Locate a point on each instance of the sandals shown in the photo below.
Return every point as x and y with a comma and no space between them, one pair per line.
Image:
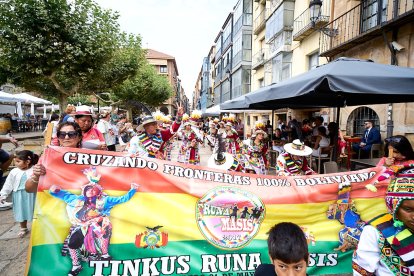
23,232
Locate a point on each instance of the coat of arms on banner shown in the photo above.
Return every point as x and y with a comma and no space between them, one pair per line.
152,238
228,217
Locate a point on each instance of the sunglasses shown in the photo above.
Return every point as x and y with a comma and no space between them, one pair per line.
70,134
393,140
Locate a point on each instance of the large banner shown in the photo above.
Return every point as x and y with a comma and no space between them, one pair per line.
104,213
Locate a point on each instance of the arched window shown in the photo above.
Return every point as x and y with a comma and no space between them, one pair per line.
164,110
355,123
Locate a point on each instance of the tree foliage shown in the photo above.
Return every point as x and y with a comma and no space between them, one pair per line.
62,48
55,46
146,87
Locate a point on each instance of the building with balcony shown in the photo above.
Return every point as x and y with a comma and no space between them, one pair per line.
233,54
166,66
380,30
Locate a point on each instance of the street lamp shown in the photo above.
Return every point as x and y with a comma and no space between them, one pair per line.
315,15
315,11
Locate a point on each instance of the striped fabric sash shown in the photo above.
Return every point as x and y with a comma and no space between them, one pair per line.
295,167
397,245
151,144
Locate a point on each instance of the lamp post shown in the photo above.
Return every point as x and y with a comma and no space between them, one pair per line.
315,8
315,11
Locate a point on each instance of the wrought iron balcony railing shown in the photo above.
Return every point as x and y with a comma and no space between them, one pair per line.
364,22
302,26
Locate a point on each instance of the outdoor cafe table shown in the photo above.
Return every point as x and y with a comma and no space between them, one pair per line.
349,142
365,163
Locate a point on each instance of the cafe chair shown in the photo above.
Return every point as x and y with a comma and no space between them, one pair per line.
320,159
375,148
330,167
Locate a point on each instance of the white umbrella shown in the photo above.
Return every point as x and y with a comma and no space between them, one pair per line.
53,109
32,109
44,112
19,110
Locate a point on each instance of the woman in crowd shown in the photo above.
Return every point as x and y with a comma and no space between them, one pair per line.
386,243
398,154
108,130
293,161
232,139
333,129
54,120
91,137
278,141
321,143
69,135
212,137
255,150
189,151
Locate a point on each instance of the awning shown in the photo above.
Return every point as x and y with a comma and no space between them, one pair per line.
9,98
27,98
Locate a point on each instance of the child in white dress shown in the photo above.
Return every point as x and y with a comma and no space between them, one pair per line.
23,202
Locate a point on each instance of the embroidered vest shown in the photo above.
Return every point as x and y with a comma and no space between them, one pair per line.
295,167
151,144
396,245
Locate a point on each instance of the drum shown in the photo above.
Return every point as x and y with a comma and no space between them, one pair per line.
5,125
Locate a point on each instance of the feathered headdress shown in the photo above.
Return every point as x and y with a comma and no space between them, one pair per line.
158,115
185,117
232,118
259,125
166,119
195,115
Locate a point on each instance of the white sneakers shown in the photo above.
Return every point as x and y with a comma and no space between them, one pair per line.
5,205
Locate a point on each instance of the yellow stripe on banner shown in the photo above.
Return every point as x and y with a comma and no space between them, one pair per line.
176,213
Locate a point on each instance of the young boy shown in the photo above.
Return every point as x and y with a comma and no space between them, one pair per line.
288,250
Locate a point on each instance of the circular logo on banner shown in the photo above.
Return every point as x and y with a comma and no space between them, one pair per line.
228,217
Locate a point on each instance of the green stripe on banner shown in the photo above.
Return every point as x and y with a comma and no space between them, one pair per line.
185,258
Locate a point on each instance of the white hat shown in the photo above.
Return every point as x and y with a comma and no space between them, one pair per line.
298,148
229,124
257,131
146,120
83,110
225,163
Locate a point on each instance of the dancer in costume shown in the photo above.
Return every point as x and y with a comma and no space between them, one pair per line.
212,137
386,243
255,150
232,138
169,144
91,229
223,160
150,142
189,150
293,161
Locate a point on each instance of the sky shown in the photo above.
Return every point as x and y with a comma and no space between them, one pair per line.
184,29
